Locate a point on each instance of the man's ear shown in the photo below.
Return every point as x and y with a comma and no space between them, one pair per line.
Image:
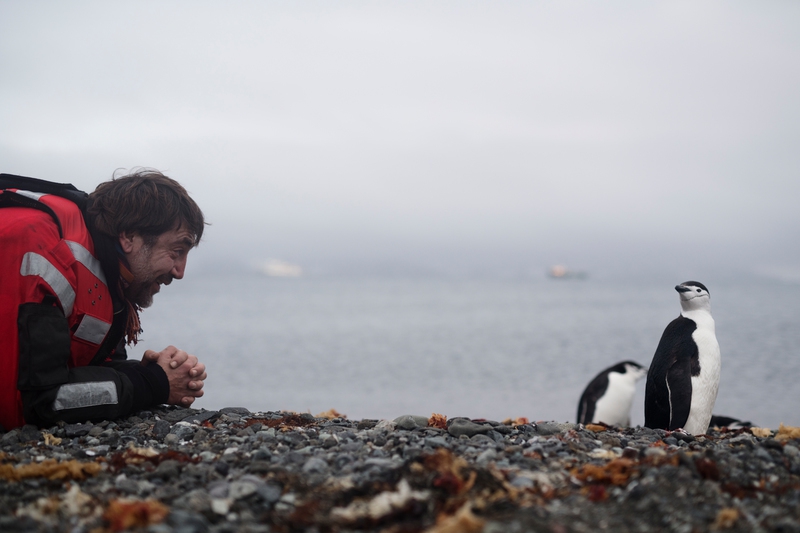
126,241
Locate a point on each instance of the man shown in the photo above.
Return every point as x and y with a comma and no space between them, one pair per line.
75,270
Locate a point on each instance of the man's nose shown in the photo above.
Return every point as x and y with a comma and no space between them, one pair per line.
178,268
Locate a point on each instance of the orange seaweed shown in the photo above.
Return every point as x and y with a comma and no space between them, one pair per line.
50,469
437,421
126,514
616,472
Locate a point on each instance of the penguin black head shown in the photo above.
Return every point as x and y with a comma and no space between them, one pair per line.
630,368
693,295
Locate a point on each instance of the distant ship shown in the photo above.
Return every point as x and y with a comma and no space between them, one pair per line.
562,272
275,268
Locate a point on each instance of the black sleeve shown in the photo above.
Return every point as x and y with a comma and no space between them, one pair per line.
52,392
150,383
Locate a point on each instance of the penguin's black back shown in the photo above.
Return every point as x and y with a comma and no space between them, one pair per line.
675,362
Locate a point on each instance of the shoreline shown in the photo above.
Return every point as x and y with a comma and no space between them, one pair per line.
187,470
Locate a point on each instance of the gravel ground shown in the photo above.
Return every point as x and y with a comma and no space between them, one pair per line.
187,470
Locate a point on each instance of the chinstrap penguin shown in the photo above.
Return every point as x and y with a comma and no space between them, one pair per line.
683,379
719,421
609,396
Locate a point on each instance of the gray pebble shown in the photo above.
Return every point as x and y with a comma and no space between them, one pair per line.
182,430
244,487
77,430
486,457
235,410
219,489
465,427
315,465
409,422
270,492
187,522
161,429
437,442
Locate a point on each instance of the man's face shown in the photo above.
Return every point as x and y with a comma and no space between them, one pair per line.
155,265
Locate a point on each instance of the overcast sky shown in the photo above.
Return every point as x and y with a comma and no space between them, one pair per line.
618,137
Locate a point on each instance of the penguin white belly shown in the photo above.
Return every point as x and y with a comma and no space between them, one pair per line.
614,407
706,384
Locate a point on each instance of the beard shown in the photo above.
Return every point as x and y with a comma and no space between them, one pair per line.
141,294
145,283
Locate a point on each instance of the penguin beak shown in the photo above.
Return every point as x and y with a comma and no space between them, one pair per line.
682,288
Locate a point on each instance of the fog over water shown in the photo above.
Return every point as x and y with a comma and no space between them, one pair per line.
629,139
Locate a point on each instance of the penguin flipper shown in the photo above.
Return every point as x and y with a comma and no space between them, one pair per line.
668,391
594,390
679,384
656,403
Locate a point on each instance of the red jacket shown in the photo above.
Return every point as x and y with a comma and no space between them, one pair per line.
56,311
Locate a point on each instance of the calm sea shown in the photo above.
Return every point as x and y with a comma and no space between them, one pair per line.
380,348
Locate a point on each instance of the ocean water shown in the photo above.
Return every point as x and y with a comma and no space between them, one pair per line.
380,348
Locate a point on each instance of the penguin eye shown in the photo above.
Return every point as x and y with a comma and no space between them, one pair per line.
698,290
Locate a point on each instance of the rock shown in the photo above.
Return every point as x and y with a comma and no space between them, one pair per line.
385,425
221,506
244,487
161,428
24,524
262,454
200,435
145,487
654,452
200,417
29,433
409,422
177,414
481,439
368,424
197,500
241,411
352,446
222,468
187,522
219,489
207,456
497,436
437,442
270,492
77,430
521,482
183,430
315,465
123,484
552,428
167,469
461,426
486,457
10,438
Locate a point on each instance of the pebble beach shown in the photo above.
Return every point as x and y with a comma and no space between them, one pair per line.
192,471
